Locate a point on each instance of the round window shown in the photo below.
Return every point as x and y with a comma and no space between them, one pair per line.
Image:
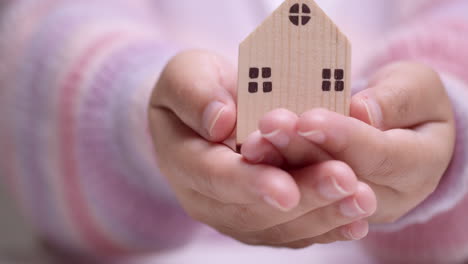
299,14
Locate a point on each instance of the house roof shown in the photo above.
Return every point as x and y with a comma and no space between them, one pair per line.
284,10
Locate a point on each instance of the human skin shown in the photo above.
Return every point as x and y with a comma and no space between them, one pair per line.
399,139
192,112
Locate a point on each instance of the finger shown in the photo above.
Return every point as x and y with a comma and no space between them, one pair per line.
215,170
372,154
279,128
199,88
351,232
402,95
318,222
382,158
256,150
320,185
323,184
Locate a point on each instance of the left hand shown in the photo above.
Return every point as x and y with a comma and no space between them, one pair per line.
399,140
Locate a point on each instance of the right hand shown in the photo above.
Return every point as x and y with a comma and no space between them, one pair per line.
192,110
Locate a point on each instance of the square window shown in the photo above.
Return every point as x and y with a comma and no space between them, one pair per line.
253,87
266,73
339,86
254,73
267,87
326,74
326,85
339,74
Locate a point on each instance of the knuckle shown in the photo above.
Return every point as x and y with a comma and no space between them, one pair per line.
382,165
397,101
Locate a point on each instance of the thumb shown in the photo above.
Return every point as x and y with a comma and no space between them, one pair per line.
401,95
199,87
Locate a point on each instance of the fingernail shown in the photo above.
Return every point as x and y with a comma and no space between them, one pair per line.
211,116
357,231
253,157
315,136
259,160
275,204
374,112
330,189
351,208
278,138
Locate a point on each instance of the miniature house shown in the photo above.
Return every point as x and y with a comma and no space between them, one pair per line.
296,59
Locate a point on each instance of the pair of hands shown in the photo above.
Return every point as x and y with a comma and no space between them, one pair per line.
301,180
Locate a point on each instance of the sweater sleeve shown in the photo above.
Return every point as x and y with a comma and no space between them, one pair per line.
434,232
75,79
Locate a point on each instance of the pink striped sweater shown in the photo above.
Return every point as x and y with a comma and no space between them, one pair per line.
75,79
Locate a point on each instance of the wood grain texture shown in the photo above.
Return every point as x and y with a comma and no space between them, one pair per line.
296,44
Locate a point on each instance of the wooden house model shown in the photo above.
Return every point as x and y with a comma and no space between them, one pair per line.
296,59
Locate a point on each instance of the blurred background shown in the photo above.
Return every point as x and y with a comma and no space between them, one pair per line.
17,244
